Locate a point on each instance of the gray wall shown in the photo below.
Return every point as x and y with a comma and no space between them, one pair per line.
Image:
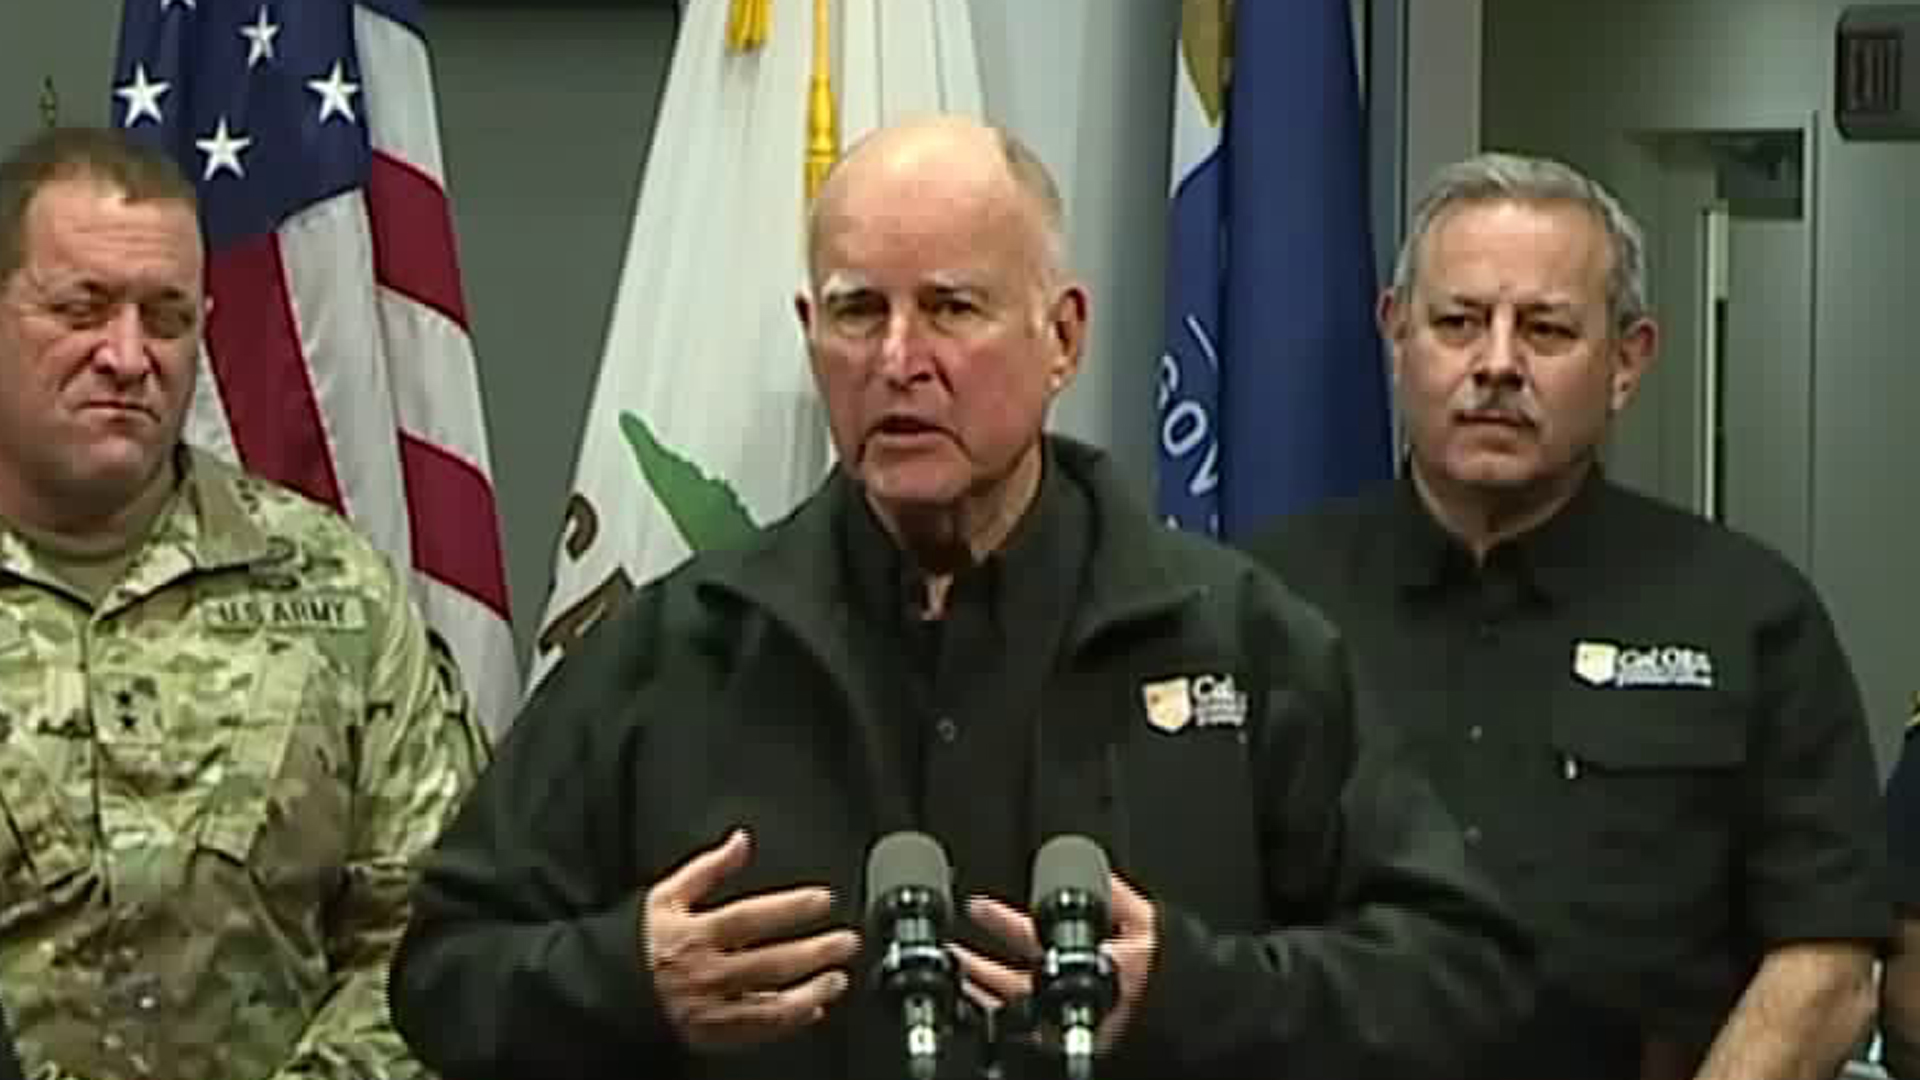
546,114
1443,87
1573,78
70,42
1090,84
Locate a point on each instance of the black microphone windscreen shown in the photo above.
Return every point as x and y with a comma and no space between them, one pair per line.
909,860
1070,862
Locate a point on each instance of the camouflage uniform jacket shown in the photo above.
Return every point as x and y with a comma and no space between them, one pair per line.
215,786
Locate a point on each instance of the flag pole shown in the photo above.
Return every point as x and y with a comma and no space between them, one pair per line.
823,136
748,23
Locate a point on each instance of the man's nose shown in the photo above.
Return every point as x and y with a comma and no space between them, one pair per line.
903,351
1499,359
123,351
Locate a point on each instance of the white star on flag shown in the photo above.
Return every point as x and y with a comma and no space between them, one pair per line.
223,151
165,4
336,94
142,97
259,35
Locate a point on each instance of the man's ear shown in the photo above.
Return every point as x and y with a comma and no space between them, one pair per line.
1633,353
1391,316
1067,332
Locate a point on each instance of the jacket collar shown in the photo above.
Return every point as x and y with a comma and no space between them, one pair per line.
794,571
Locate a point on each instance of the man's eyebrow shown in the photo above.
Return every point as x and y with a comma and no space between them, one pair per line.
840,285
1556,304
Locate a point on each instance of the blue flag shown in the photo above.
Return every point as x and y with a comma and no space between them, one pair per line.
1272,391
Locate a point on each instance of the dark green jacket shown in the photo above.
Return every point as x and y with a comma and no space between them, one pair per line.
1316,913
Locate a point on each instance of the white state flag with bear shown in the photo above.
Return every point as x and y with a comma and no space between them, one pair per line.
704,423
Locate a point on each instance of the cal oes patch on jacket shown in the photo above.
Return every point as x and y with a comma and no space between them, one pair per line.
1194,701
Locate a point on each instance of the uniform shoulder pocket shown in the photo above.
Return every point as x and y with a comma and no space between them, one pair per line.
284,759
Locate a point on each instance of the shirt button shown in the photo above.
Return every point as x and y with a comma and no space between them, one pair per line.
947,729
1475,733
1471,834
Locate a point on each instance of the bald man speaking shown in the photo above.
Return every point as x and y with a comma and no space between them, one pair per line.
972,634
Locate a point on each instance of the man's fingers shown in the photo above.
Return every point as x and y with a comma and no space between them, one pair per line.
990,982
757,1017
982,999
1012,928
694,879
1130,906
813,996
784,963
770,916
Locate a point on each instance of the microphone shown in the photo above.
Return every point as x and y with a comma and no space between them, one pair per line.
1075,986
909,900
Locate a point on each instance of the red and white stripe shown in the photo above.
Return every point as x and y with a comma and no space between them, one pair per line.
342,365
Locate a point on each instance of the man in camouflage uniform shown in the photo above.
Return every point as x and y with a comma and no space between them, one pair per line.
225,731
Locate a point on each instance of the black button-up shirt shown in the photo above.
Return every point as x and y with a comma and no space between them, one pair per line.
1648,733
968,685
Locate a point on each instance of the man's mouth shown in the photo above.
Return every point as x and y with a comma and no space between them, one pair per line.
119,407
904,427
1495,417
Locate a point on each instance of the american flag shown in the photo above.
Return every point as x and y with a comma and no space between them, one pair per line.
337,355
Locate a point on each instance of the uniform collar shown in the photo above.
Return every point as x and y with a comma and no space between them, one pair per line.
211,528
204,526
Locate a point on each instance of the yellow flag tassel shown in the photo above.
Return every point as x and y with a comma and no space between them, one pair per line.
823,127
748,23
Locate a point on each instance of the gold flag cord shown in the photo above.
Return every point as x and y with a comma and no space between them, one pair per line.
823,128
748,23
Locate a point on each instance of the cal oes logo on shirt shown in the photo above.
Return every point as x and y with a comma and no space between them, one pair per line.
1606,663
1197,700
1169,707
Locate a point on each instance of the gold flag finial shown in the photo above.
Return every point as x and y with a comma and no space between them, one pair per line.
1206,40
748,23
49,103
823,127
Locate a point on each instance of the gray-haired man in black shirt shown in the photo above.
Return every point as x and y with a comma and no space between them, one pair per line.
1643,722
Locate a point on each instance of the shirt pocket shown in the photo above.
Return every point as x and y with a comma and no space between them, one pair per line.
41,847
1649,786
39,851
1656,731
280,803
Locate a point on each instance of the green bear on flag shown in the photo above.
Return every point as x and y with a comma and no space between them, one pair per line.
704,509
